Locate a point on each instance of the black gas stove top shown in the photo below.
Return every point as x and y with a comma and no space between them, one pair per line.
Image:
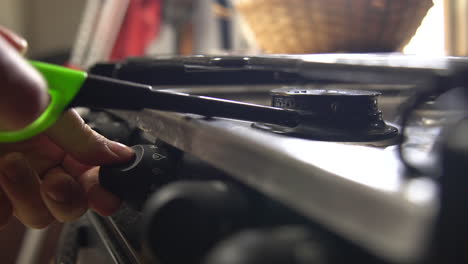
301,159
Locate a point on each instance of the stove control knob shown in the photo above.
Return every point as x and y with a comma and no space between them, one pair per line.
152,167
183,220
109,126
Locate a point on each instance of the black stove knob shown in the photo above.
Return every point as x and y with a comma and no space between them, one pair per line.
152,167
109,126
112,129
183,220
281,245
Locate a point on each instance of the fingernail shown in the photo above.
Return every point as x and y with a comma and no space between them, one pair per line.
59,196
16,168
121,150
22,45
65,193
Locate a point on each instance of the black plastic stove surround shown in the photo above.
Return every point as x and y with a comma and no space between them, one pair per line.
363,163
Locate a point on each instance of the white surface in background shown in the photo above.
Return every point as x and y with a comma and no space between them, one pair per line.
429,39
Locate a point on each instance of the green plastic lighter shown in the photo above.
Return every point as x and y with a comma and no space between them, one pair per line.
68,88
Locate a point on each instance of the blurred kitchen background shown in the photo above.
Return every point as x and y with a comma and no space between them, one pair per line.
184,27
81,33
50,26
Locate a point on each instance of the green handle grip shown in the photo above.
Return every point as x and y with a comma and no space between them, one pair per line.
63,85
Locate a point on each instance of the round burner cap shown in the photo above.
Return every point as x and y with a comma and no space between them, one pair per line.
344,103
332,114
323,92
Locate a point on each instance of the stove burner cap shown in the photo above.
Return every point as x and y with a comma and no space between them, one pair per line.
323,92
332,114
334,102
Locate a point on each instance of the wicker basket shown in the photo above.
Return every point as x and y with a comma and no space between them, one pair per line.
318,26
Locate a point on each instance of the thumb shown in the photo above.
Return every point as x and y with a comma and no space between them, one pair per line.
23,93
84,144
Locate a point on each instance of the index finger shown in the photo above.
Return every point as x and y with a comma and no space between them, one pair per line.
19,43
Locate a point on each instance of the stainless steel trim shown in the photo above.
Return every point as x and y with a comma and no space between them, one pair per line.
116,244
360,194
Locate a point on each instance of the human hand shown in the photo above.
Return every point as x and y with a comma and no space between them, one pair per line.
53,175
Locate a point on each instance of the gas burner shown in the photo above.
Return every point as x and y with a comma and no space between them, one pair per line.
332,115
219,184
